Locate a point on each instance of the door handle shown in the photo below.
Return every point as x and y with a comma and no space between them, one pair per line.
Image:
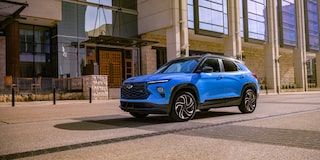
220,77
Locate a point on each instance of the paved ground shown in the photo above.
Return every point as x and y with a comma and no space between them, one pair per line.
285,126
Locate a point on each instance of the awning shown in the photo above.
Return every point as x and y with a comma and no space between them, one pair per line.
118,41
9,11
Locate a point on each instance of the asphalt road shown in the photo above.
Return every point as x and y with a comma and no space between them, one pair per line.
285,126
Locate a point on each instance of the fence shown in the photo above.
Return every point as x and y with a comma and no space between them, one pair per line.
68,84
44,85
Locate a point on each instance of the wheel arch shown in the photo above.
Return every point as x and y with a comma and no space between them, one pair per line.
249,86
185,87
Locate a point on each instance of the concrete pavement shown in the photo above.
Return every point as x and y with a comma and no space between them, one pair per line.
282,127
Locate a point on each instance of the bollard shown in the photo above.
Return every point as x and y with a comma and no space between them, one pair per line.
90,95
12,97
54,96
266,89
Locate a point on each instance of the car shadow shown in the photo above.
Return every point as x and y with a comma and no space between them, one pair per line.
116,122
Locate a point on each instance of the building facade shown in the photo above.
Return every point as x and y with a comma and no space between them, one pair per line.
277,39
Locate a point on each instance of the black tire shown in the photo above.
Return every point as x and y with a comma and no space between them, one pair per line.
183,107
248,102
139,115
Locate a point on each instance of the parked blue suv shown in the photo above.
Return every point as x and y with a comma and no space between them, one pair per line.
184,85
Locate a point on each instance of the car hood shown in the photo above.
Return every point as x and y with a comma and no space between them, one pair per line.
158,76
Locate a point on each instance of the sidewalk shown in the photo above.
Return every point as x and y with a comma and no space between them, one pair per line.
24,112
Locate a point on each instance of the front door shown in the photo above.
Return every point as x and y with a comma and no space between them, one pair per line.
110,64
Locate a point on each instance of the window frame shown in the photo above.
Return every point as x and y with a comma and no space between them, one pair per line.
214,68
246,25
281,31
224,68
307,33
200,31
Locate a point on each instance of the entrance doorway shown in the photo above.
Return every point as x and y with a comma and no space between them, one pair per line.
117,65
110,64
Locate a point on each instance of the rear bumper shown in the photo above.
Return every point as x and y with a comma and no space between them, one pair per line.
149,108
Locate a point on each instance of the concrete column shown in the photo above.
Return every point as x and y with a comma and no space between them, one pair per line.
299,53
148,60
173,33
2,60
13,49
318,69
232,43
184,35
271,50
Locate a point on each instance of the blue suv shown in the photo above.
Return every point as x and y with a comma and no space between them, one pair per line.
182,86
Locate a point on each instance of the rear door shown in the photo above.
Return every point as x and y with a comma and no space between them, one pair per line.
232,78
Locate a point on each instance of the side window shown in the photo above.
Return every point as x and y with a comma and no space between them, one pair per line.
214,63
229,66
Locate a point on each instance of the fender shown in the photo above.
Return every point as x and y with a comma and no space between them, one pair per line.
249,85
184,86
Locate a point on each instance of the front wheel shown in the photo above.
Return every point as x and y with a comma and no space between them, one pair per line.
183,107
249,101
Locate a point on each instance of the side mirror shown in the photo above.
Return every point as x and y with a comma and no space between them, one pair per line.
207,69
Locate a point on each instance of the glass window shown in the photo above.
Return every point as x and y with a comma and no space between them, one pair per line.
190,14
214,63
35,52
86,19
312,25
208,17
229,66
287,18
254,19
241,18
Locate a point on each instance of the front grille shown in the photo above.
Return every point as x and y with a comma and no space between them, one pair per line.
134,91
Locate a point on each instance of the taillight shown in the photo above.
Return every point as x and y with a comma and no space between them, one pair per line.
254,75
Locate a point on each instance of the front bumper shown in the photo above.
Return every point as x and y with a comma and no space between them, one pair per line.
143,107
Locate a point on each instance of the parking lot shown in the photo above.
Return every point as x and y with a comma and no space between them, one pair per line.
284,126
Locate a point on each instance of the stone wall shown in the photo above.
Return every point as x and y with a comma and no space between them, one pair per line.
254,60
205,46
286,70
41,97
98,85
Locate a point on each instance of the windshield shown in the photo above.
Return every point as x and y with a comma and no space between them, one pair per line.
186,65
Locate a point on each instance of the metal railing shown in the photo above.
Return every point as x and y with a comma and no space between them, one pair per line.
68,84
44,85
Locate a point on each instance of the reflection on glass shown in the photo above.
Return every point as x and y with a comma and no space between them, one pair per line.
257,19
190,14
34,50
212,15
98,20
313,25
289,23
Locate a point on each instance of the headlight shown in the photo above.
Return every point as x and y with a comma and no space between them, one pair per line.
158,81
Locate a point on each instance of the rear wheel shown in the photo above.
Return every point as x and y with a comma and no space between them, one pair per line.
139,115
249,101
183,107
